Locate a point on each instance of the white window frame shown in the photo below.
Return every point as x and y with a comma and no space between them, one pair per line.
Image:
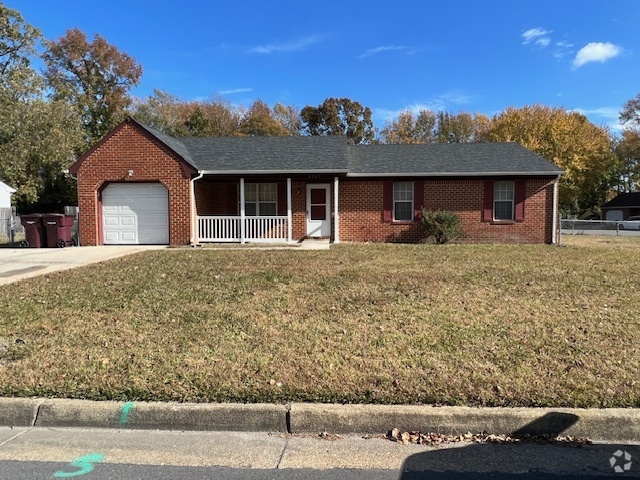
504,191
253,190
396,193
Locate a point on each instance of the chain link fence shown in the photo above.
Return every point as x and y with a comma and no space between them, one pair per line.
11,230
599,227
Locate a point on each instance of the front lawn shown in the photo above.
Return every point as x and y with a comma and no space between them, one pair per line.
454,324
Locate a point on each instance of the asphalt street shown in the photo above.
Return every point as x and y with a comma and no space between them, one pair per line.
46,453
43,470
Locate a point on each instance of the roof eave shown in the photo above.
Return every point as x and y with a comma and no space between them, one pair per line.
273,172
457,174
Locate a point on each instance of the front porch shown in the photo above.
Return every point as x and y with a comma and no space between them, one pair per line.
265,210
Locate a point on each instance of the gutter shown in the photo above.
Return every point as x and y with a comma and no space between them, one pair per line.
194,220
555,173
67,173
272,172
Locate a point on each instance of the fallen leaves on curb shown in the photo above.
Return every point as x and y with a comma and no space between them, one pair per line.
329,436
435,439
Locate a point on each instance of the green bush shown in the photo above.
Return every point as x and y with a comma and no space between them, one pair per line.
443,226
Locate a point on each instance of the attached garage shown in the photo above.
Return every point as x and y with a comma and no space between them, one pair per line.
135,213
616,215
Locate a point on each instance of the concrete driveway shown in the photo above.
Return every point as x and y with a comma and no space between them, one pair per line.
20,263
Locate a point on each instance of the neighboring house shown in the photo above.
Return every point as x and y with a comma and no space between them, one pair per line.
5,195
621,207
138,185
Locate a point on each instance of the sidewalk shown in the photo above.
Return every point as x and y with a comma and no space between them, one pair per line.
284,451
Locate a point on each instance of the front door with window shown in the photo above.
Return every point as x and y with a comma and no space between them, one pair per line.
318,211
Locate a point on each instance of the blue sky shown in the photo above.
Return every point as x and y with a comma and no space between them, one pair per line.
453,55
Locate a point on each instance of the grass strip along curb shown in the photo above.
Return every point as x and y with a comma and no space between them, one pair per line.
612,424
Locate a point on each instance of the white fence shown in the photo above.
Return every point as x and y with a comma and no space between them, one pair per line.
599,227
256,229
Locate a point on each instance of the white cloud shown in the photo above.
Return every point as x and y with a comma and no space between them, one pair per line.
596,52
562,48
543,41
235,90
286,47
610,116
537,35
442,102
386,114
386,48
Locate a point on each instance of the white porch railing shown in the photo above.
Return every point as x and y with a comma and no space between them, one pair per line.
256,229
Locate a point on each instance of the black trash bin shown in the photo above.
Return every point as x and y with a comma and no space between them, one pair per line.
58,228
33,230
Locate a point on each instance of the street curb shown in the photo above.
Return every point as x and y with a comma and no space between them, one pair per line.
18,412
614,424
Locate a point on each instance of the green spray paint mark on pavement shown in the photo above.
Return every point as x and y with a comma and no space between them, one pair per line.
124,416
85,464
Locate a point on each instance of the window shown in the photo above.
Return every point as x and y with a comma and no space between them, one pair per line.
402,201
503,196
260,199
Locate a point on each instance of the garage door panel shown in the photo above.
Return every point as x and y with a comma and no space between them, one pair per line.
127,220
135,214
152,221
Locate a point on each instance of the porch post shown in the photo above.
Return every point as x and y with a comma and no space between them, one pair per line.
242,229
289,215
336,229
195,224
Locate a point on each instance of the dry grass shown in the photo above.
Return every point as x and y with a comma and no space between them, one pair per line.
454,324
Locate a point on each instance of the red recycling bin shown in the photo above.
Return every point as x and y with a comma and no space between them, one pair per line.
58,229
33,230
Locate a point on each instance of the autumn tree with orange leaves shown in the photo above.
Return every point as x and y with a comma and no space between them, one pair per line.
93,76
567,139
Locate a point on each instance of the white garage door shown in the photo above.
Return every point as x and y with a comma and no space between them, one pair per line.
135,213
614,215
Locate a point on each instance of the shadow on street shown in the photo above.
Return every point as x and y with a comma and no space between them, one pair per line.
526,460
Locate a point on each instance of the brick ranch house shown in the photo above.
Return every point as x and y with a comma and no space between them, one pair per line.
138,185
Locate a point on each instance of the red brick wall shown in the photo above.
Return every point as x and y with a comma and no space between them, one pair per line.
131,148
213,198
361,212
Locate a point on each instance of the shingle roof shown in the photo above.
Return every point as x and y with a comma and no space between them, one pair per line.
624,200
173,143
268,154
331,154
447,160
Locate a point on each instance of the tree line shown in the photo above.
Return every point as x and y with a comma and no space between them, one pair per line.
50,117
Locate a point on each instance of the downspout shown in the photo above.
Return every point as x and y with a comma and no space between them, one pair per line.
194,220
554,221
